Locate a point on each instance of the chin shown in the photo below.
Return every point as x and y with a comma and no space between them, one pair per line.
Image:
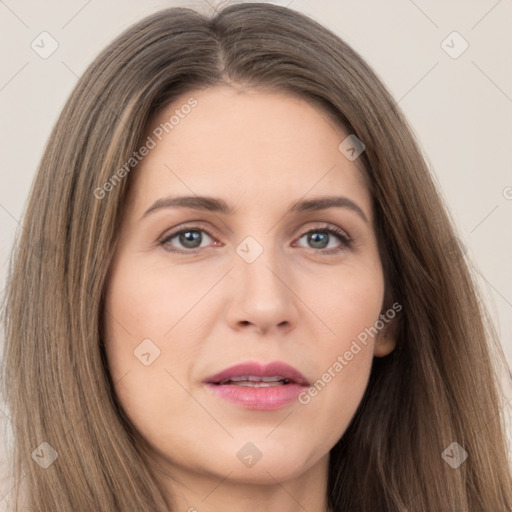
273,461
265,472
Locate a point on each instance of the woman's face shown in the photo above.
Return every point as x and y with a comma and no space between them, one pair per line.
252,280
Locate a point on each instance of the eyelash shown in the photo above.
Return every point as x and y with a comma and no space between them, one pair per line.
338,233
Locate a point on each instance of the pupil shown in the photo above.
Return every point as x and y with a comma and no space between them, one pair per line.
188,239
315,239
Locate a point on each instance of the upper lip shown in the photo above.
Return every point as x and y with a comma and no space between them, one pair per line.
254,369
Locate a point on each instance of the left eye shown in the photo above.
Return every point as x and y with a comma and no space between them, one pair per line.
319,238
191,238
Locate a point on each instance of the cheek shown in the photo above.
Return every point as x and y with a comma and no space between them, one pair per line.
145,302
349,308
348,303
332,399
144,316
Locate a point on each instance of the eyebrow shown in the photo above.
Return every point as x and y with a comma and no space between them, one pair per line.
213,204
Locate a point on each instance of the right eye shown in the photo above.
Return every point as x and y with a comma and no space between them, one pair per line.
190,238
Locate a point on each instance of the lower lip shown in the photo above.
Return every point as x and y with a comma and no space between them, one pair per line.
263,399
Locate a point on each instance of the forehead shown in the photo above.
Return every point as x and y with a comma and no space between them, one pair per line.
247,145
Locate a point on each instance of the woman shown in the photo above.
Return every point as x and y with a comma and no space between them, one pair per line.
237,288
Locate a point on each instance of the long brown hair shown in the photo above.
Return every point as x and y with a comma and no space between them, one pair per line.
439,385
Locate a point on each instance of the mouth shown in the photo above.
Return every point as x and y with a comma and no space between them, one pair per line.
252,381
261,387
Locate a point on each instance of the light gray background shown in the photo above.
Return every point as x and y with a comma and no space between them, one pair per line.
460,108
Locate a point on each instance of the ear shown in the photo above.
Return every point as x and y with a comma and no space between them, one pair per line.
385,341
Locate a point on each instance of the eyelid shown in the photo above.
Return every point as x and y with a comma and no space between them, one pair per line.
169,234
344,238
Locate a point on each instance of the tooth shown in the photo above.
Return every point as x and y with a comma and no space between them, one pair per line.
258,384
252,378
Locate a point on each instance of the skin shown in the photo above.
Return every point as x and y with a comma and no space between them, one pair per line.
209,309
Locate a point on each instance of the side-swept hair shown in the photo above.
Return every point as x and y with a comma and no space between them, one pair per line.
438,386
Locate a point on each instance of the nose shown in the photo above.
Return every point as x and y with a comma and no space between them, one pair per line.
263,300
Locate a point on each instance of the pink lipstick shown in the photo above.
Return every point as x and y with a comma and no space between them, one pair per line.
261,387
